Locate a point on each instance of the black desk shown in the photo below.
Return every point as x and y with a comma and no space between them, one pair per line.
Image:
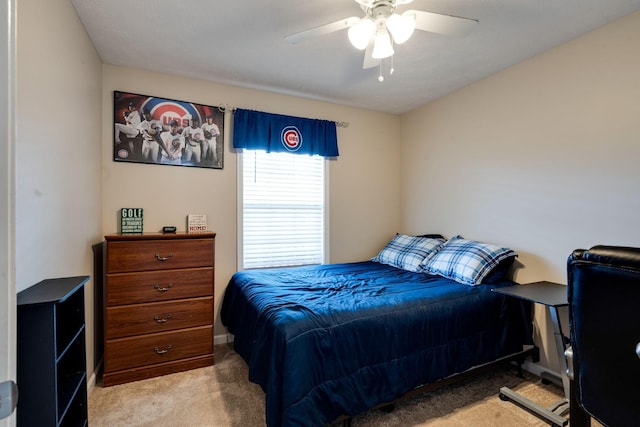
552,295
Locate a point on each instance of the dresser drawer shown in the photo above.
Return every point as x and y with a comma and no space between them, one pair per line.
126,353
141,255
128,320
149,286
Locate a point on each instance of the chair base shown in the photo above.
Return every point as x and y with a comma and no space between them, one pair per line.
552,414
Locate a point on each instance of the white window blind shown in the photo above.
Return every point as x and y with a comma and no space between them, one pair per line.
283,209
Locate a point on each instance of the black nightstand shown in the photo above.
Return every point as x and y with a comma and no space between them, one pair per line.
552,295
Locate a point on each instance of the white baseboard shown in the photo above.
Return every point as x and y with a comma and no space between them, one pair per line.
91,381
222,339
91,384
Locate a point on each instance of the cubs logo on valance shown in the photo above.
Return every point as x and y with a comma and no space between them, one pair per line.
255,130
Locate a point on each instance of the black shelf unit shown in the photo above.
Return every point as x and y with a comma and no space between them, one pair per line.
52,374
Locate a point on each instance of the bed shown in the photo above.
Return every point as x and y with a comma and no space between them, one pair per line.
336,340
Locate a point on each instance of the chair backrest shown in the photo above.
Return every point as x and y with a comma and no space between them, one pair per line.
604,323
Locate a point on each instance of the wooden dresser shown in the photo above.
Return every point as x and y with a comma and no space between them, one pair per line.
158,304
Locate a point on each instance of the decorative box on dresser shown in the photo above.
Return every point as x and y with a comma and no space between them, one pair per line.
158,304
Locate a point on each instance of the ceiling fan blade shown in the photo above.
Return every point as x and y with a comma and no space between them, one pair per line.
322,30
442,24
369,60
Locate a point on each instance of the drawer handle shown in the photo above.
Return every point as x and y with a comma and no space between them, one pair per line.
162,319
164,258
159,289
163,350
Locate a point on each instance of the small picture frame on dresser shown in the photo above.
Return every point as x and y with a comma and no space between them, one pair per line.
196,223
131,220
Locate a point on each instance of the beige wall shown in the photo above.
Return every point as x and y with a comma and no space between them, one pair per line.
58,200
364,201
542,157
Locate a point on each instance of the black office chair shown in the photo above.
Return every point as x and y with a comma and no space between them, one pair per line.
604,325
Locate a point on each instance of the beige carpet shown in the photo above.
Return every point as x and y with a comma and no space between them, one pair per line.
221,395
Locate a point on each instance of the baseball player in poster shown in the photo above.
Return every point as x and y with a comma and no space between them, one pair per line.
129,128
194,138
130,125
172,145
150,130
210,144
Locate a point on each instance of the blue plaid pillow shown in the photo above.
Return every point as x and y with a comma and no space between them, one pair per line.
466,261
407,252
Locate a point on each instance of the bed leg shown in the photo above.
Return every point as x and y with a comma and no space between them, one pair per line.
519,362
535,354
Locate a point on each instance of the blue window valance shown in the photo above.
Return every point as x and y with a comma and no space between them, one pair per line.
255,130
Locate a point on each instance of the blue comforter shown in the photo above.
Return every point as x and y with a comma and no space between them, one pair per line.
339,339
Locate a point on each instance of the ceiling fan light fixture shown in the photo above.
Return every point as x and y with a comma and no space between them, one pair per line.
382,47
361,32
401,27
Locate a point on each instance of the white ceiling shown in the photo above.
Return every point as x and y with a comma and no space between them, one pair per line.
241,42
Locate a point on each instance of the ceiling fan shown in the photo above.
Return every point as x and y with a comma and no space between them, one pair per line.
382,27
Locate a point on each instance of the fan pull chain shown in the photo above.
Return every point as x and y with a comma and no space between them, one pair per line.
391,70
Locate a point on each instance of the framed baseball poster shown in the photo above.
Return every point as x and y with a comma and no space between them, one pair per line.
149,129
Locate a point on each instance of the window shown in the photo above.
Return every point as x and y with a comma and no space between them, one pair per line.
282,209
